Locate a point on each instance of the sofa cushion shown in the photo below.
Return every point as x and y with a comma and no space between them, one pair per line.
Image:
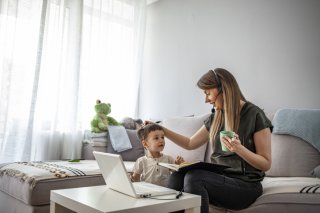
88,148
302,123
186,126
316,172
287,194
292,156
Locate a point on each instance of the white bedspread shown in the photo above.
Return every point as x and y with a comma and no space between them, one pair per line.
31,172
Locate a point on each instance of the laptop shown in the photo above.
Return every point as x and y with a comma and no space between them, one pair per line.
116,177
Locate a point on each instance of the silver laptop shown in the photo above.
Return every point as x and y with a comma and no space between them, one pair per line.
116,178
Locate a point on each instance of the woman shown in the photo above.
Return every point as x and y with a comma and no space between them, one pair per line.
249,152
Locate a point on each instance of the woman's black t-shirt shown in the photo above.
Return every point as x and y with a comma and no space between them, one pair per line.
252,119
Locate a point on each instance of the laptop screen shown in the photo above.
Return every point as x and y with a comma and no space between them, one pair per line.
114,172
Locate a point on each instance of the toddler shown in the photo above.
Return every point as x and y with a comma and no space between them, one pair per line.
146,168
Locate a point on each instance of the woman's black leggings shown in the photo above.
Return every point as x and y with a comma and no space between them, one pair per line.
219,190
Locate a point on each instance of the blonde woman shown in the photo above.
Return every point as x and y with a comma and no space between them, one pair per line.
249,151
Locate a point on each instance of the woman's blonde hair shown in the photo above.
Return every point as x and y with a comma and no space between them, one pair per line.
231,93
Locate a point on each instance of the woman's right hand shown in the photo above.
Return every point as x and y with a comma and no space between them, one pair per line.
233,144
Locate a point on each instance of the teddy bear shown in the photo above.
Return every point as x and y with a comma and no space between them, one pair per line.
101,120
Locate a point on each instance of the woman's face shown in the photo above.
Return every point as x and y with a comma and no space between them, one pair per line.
213,97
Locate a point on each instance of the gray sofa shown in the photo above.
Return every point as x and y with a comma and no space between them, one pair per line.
287,186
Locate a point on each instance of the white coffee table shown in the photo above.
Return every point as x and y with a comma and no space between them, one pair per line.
101,199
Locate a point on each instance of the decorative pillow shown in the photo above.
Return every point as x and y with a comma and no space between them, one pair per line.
186,126
131,154
292,157
316,172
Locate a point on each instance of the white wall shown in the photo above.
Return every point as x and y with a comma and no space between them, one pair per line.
271,46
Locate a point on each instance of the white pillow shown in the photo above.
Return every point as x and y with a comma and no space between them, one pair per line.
186,126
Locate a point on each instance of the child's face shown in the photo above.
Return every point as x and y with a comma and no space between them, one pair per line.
155,141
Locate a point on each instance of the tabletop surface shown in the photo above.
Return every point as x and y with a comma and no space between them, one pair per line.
103,199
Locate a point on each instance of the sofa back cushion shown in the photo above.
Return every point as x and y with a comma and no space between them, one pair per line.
292,156
186,126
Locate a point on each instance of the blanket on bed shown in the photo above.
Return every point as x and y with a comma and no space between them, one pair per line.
302,123
34,171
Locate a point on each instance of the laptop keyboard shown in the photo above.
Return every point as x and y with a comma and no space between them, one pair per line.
143,187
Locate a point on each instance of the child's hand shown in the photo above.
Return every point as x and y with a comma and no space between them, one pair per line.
134,177
179,160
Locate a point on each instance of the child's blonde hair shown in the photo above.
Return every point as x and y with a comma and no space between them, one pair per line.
144,131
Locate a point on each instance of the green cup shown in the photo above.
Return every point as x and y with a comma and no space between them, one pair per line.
223,134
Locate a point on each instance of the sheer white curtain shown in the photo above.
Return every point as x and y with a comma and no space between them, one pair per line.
56,58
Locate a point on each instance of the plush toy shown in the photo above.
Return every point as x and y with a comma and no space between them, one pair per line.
101,120
130,123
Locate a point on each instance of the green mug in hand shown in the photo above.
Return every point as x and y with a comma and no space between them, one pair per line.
223,134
